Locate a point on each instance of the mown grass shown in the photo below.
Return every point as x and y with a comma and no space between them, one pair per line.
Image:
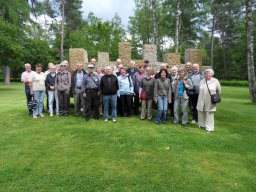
68,154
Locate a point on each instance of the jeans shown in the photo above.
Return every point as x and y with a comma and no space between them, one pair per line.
53,95
28,97
162,104
78,102
107,100
184,104
39,97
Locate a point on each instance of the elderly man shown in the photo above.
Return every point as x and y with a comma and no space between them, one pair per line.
109,87
63,84
188,67
91,93
117,69
25,80
77,88
196,76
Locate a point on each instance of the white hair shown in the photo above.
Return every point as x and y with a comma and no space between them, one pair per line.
210,71
27,64
174,68
132,63
118,60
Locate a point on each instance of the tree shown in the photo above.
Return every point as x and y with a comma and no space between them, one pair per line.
250,59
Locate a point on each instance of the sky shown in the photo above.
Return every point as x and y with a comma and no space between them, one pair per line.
106,9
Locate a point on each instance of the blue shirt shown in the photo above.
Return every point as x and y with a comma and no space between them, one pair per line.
180,92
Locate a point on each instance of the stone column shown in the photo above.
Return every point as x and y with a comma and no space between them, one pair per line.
77,55
172,59
103,58
150,53
125,53
193,56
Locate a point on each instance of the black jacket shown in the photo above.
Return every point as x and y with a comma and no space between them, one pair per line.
109,88
50,81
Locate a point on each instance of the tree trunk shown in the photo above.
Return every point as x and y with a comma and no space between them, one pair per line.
212,34
250,60
177,26
224,59
62,31
154,8
7,75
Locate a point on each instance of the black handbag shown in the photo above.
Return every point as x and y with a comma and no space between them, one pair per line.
215,98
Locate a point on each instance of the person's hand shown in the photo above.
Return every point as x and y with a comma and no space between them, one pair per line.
170,101
31,92
51,87
155,99
98,93
84,94
67,92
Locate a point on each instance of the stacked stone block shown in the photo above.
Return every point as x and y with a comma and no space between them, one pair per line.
172,59
150,53
103,59
193,56
77,55
125,53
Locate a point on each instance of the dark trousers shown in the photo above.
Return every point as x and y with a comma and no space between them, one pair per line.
194,99
63,102
135,103
91,101
125,105
171,106
29,98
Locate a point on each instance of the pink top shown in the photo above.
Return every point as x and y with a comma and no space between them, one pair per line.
25,76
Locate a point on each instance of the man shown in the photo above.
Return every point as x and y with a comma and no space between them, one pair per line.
117,69
109,87
91,93
196,76
77,88
146,64
188,67
132,70
63,84
25,80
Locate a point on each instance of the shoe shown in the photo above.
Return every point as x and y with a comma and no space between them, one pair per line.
193,121
202,127
106,120
57,114
51,114
34,117
114,120
157,122
87,118
142,118
163,122
209,131
183,125
41,115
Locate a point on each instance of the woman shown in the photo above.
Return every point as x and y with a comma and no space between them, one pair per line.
138,76
52,93
204,105
37,89
162,95
147,89
180,87
174,76
125,92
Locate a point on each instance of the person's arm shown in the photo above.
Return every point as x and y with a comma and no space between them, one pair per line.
170,91
155,90
31,84
218,87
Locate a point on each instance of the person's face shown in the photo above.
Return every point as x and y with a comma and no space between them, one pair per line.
94,62
195,68
146,64
119,67
108,71
28,68
208,75
174,72
38,69
182,73
90,70
79,67
98,70
163,75
123,72
62,67
52,70
141,70
188,66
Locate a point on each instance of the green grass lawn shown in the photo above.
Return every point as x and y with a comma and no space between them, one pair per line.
69,154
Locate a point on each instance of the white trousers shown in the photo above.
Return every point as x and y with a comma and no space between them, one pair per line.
206,119
52,95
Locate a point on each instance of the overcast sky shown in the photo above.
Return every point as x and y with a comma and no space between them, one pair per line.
106,9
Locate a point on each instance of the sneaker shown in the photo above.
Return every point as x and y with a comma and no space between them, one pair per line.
193,121
114,120
51,114
34,117
106,120
41,115
157,122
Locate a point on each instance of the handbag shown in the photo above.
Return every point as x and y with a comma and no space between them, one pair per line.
32,104
215,98
143,95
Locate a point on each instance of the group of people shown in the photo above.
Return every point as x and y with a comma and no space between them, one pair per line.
116,90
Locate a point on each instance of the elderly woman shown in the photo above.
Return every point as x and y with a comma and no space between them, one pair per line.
162,95
147,89
208,86
37,89
174,76
180,87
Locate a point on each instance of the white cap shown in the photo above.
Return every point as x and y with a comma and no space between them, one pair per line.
90,66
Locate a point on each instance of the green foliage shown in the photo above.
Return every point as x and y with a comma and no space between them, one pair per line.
234,83
68,154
